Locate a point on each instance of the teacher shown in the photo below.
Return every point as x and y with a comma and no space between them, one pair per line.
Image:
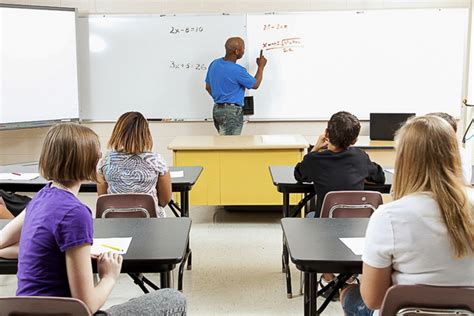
226,82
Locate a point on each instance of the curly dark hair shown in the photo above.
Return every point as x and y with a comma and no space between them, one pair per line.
343,129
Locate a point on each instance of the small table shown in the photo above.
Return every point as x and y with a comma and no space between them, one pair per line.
314,247
284,180
181,185
158,244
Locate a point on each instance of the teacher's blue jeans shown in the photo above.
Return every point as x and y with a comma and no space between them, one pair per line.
228,119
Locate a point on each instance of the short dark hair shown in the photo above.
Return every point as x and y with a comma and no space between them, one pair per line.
448,118
343,129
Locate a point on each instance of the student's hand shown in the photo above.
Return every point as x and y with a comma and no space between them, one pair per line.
261,61
321,143
109,265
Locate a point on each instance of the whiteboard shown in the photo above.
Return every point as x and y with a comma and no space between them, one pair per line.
403,60
38,65
359,61
153,64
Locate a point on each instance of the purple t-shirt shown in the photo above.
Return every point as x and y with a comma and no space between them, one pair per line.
55,221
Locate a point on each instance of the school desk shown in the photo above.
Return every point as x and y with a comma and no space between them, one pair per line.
284,180
236,167
158,244
314,247
181,185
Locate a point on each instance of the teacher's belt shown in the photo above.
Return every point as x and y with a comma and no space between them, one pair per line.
227,104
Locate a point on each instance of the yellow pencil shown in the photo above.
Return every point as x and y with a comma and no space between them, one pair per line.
111,247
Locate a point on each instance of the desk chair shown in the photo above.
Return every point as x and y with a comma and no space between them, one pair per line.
34,305
425,300
345,204
129,205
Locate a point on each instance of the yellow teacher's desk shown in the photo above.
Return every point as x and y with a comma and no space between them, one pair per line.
236,167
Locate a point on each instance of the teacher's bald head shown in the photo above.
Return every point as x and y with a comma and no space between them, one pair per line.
235,47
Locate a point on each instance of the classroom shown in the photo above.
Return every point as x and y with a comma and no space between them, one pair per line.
236,157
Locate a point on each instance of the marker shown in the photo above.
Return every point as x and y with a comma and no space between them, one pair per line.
16,173
111,247
261,53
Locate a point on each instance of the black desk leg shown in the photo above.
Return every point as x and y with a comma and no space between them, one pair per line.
185,213
285,256
310,292
184,203
184,199
165,278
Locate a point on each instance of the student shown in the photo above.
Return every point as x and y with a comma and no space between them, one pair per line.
465,157
55,233
426,235
131,166
333,165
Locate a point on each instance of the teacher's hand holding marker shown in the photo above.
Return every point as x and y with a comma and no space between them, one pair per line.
261,63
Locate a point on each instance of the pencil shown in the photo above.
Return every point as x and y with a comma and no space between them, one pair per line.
111,247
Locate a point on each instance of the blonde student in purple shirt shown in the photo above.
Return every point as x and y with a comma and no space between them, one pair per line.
52,238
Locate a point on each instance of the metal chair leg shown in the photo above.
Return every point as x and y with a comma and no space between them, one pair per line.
138,282
149,283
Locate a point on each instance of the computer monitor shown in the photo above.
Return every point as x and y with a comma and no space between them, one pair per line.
384,125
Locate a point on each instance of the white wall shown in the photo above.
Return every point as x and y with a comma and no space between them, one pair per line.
25,145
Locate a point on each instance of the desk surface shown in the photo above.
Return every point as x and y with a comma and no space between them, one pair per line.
254,142
283,178
158,244
314,245
185,183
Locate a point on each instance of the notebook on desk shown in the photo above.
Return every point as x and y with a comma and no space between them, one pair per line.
384,125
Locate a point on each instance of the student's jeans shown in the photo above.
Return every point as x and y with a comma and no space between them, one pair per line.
164,302
353,305
228,119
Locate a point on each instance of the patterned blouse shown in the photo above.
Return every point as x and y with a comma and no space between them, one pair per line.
133,173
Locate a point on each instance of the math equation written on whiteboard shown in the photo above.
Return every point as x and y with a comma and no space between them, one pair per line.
186,30
189,66
270,27
286,45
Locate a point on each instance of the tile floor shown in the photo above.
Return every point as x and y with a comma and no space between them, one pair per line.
236,267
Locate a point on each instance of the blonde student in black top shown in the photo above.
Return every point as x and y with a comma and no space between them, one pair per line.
333,165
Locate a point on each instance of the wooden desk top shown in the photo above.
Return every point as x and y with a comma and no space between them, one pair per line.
238,142
363,142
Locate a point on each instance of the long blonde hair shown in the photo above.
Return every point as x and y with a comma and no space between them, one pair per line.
428,160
